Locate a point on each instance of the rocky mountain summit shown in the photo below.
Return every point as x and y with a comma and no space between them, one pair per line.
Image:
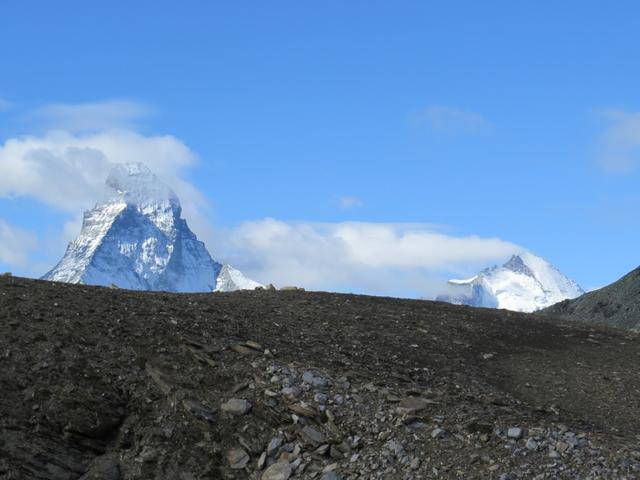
525,283
616,305
112,384
136,239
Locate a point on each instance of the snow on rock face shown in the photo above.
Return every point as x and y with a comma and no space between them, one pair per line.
525,283
136,239
231,279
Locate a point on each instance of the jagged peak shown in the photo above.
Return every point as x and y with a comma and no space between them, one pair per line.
519,264
134,184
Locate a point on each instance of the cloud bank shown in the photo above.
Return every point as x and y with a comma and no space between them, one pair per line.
378,258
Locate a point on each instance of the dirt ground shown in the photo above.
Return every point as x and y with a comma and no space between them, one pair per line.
100,383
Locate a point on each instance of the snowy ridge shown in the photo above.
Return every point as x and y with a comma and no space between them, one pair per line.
136,239
525,283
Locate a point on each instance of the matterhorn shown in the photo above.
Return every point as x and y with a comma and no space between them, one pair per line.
136,239
525,283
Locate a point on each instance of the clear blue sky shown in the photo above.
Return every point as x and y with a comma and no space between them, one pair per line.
500,119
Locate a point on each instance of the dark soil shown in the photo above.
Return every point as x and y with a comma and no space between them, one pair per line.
106,383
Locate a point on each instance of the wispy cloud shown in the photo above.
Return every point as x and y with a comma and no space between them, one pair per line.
16,244
619,144
378,258
5,104
451,120
348,202
90,117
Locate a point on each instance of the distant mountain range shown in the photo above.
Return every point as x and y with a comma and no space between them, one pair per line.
136,239
616,305
525,283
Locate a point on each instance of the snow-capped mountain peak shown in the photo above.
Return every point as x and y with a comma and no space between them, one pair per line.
137,239
524,283
231,279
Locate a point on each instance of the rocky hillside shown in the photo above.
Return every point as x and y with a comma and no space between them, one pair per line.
616,305
102,383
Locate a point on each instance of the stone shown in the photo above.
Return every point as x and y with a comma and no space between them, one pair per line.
254,345
330,468
316,381
411,405
274,445
515,432
322,449
262,460
531,444
242,349
237,458
331,476
313,436
320,398
236,406
438,433
302,410
290,392
334,452
277,471
105,467
199,410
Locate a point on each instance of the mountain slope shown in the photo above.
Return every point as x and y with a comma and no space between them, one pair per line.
136,239
101,383
525,283
616,305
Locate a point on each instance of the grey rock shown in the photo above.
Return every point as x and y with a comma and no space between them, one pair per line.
331,476
315,381
291,392
237,458
320,398
274,445
236,406
531,444
105,467
515,432
438,433
313,436
277,471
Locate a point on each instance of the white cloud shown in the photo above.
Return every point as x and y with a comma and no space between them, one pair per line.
15,244
619,145
450,120
350,202
85,117
67,171
379,258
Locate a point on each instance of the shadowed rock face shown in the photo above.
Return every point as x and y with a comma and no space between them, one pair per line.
616,305
102,383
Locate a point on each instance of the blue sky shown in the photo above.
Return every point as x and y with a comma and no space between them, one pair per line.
516,122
